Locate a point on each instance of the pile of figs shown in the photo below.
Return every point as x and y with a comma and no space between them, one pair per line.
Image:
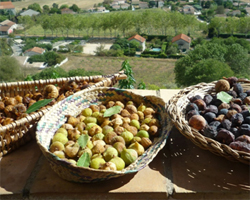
108,136
224,115
14,108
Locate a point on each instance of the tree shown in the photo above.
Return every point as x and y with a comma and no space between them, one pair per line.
207,71
46,9
238,59
63,6
26,22
244,25
36,7
55,5
75,8
44,22
208,50
231,25
177,21
10,69
190,22
218,24
125,20
220,10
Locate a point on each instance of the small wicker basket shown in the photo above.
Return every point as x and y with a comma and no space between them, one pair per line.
176,107
53,119
21,131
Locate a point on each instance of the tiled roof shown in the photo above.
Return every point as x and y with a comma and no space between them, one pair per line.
4,28
137,37
6,5
183,37
7,23
36,49
29,12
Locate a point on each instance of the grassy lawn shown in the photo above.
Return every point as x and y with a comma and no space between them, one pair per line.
155,73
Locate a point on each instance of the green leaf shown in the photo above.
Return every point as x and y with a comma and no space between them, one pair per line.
224,97
111,111
34,107
84,160
83,140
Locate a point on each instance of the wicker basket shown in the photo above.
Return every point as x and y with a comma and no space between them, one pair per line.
176,107
21,131
53,119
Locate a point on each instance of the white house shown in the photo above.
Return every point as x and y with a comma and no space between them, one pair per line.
139,39
183,41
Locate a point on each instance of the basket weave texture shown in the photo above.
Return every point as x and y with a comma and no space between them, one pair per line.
176,107
53,119
21,131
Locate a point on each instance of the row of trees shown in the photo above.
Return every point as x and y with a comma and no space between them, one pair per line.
229,25
52,10
149,22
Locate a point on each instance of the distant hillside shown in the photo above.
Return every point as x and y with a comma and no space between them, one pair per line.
83,4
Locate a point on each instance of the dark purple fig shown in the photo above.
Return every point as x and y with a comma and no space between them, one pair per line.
225,136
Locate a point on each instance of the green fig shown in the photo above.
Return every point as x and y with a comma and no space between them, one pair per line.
110,153
56,146
127,136
135,123
141,107
106,129
63,131
97,163
60,137
87,112
142,133
89,126
119,162
59,154
90,120
129,156
98,136
138,147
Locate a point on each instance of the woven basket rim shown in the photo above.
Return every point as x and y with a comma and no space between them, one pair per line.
37,114
120,75
129,169
175,109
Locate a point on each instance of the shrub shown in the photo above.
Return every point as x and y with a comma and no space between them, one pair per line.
49,73
115,46
82,72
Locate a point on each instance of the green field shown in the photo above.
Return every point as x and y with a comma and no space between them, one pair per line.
155,73
82,4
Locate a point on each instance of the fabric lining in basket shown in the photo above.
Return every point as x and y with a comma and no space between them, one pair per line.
21,131
176,107
53,119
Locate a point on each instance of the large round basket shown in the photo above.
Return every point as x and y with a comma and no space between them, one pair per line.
176,107
73,105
